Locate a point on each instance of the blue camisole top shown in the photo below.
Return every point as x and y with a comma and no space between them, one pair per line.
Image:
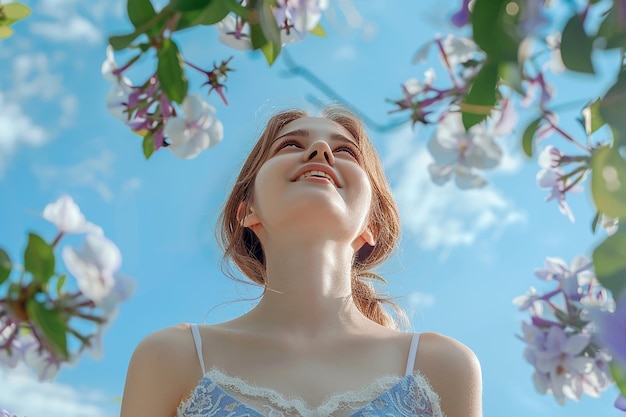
220,395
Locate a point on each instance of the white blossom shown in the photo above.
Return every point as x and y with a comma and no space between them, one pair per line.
609,224
199,129
458,50
230,33
304,15
67,217
45,364
461,152
123,288
94,266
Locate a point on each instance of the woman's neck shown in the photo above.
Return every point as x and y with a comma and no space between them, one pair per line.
308,289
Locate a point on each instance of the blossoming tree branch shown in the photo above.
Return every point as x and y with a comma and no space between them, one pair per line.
576,337
508,65
42,319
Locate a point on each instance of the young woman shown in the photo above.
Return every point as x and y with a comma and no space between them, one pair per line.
309,217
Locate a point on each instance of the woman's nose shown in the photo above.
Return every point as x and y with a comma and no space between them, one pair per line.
320,151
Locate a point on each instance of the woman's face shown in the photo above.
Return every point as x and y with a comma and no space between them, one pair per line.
313,179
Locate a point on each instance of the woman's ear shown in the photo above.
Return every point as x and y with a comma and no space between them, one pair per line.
369,236
247,216
366,237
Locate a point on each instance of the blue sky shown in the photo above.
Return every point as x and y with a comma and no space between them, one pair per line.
464,255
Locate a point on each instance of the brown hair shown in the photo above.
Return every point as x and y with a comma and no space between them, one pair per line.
242,246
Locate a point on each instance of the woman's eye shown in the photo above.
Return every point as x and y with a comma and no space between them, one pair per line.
347,150
288,144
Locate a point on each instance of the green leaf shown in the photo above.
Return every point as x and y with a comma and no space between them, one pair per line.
213,13
592,117
5,266
613,28
171,72
270,29
60,283
613,106
609,262
260,42
608,182
5,32
51,324
235,7
576,46
619,376
482,96
511,74
257,37
318,31
271,52
529,136
140,11
595,221
119,42
189,5
14,12
148,145
39,259
495,30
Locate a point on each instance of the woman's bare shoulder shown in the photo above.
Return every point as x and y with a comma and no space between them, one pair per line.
162,370
453,371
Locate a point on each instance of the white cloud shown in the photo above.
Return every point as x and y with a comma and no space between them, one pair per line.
32,78
92,173
345,53
442,217
420,300
73,28
16,129
131,185
69,109
23,395
31,85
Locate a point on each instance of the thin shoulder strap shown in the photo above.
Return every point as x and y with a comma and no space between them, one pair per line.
410,363
198,341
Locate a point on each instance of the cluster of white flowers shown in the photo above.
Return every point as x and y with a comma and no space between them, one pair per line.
185,135
95,266
294,19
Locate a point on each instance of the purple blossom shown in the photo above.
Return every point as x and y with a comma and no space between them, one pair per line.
559,364
508,119
534,84
554,179
532,18
462,16
620,403
570,278
612,330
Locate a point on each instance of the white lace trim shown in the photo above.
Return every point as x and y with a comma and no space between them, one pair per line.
430,393
349,399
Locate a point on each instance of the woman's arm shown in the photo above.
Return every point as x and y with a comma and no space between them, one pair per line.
453,371
159,374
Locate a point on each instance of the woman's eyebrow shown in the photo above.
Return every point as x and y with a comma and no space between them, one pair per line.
306,134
